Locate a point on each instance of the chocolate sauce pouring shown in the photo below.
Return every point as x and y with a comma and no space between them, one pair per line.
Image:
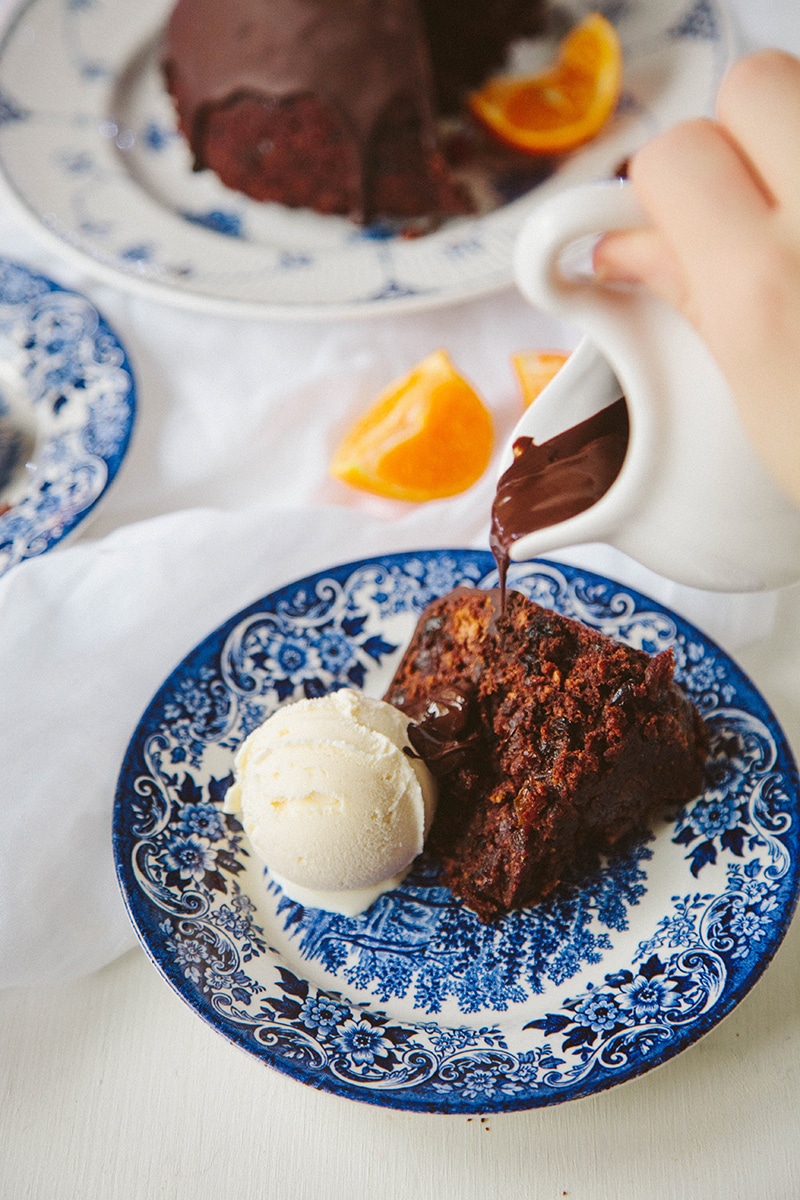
558,479
544,485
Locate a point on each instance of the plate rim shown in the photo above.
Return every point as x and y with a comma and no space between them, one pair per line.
398,1099
122,446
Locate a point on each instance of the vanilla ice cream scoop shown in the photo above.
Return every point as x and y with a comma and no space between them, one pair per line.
331,801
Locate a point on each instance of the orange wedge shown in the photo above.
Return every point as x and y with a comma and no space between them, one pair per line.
566,105
535,369
427,436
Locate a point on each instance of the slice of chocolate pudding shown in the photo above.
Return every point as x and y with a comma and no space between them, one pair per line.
551,743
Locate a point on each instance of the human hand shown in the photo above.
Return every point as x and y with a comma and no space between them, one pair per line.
723,246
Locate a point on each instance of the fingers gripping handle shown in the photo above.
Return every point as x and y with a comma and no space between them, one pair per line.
556,225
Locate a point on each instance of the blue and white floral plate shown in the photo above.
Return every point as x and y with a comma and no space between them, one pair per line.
89,148
67,409
416,1004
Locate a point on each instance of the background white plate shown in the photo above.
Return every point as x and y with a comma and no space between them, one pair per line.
88,147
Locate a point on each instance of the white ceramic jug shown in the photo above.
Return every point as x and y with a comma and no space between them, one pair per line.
691,501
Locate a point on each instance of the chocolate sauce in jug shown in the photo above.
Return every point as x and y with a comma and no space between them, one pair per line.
558,479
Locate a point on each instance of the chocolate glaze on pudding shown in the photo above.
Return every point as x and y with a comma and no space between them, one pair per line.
443,730
558,479
311,103
301,49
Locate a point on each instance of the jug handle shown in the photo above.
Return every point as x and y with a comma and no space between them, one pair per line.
606,316
554,227
714,521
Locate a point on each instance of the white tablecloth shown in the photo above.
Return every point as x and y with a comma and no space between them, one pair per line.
111,1086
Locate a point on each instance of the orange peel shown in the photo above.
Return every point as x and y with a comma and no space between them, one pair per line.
427,436
566,105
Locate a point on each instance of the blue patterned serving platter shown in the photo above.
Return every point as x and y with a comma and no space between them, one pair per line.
415,1004
89,149
67,409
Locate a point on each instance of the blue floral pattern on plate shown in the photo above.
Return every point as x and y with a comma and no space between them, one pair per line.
80,84
66,381
415,1004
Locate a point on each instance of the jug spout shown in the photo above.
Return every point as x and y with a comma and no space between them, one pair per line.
690,500
568,450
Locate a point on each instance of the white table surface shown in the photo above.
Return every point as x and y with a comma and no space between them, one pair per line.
111,1086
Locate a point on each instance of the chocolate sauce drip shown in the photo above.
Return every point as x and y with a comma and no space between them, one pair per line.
558,479
442,730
